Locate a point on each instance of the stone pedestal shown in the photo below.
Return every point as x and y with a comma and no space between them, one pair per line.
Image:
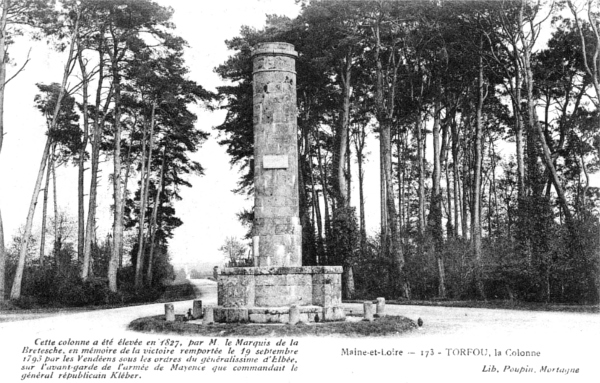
268,292
264,293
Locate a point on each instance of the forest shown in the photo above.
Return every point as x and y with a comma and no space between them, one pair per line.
485,117
123,105
482,116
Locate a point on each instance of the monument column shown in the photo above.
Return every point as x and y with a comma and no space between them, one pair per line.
276,234
264,293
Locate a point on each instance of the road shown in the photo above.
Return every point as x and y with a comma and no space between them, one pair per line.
438,321
563,339
110,319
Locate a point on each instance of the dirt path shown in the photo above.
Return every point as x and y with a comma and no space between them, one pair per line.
438,321
433,353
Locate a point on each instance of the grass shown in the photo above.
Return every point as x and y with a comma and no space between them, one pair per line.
181,291
497,304
176,291
384,326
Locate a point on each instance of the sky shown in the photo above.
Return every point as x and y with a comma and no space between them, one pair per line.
209,208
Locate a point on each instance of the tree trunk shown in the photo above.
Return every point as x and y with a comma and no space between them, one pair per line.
420,160
476,210
348,172
538,129
455,175
342,134
153,221
57,218
144,198
451,229
2,262
16,287
343,161
81,163
91,218
98,124
139,260
519,134
309,252
113,263
2,81
399,178
382,195
44,216
493,185
394,249
464,194
317,209
592,70
359,144
381,118
323,177
435,210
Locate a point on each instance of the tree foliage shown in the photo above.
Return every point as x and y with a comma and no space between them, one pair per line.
469,78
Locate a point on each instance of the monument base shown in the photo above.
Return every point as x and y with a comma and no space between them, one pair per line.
265,294
307,314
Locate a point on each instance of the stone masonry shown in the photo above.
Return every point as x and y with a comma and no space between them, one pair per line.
277,234
264,293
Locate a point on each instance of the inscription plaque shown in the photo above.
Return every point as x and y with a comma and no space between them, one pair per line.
275,162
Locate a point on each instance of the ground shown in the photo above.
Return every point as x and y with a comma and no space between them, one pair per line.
439,349
439,321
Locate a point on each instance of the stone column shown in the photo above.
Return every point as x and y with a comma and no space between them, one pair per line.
277,234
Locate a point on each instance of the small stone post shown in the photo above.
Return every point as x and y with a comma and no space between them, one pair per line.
368,307
380,307
169,312
197,309
209,316
294,314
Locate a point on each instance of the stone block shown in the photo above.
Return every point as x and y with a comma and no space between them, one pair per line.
333,313
230,314
235,290
294,315
235,315
273,296
368,311
197,309
169,312
257,318
380,309
208,316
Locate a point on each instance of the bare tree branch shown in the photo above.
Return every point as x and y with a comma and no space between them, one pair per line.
20,69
